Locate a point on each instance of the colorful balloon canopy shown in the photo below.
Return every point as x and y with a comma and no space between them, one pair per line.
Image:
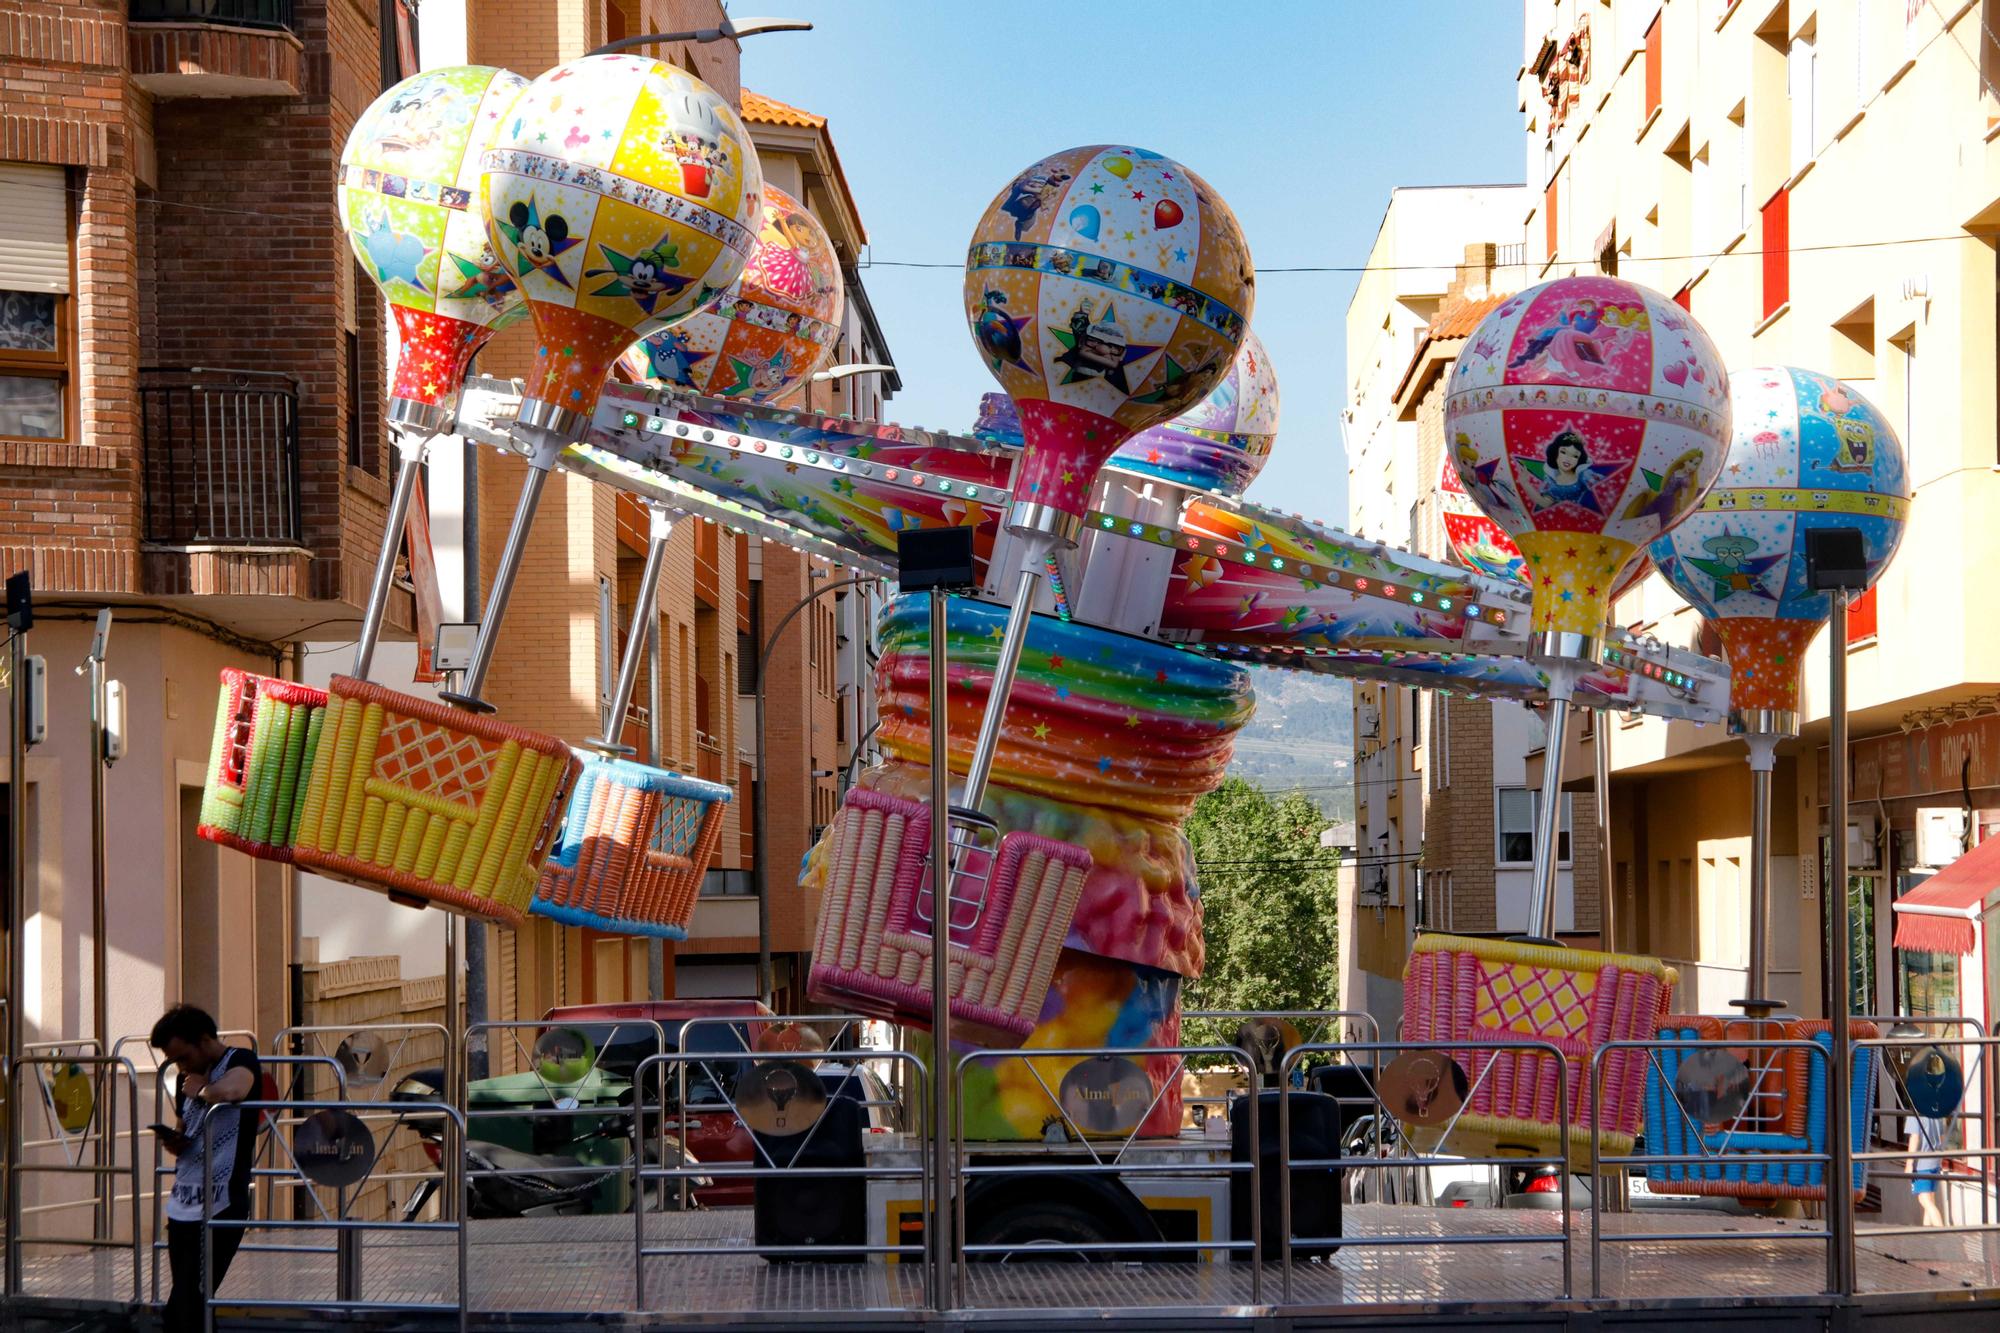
1585,416
1108,289
1477,542
413,211
1807,452
771,330
623,193
1222,442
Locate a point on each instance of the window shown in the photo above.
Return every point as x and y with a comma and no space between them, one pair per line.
1861,618
746,663
1549,219
728,884
1684,298
1777,254
351,350
1515,831
1802,86
35,335
1653,65
1906,348
399,41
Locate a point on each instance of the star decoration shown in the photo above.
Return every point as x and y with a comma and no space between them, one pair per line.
1041,731
538,242
397,257
642,276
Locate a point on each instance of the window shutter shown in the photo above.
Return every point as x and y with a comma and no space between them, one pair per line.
1777,253
34,213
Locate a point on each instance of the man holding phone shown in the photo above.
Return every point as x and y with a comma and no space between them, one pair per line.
213,1078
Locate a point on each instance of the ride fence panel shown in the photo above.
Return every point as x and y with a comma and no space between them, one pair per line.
1422,1101
68,1137
1098,1101
1936,1112
1773,1140
330,1150
1706,1092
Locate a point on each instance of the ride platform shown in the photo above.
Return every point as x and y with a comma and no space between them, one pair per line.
578,1272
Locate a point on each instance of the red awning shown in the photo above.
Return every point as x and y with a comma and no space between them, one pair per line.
1937,915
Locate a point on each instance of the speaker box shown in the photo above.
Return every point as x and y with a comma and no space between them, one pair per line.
1315,1190
802,1207
1351,1086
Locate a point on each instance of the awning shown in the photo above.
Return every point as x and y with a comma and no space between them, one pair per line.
1937,915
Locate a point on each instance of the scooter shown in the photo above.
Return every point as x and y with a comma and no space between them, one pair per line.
503,1182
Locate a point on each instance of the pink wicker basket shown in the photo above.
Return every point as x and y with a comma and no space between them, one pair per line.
1486,993
1011,906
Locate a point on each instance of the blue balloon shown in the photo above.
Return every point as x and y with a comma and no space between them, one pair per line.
1084,221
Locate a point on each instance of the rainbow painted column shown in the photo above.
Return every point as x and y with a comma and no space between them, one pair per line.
1109,741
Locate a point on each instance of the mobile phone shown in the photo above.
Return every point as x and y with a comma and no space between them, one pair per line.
167,1132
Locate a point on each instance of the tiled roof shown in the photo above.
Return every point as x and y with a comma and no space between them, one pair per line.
770,111
1457,318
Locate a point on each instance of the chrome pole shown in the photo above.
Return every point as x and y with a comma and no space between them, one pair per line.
940,1220
662,528
543,460
1763,759
1839,1192
1018,620
100,985
1548,817
411,447
656,948
17,906
1614,1186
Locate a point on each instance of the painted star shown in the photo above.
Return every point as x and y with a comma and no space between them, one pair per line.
538,242
642,276
480,282
1041,731
1082,361
1055,661
397,257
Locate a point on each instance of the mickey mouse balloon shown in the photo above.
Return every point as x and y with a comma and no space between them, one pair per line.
411,205
1107,289
1808,452
1223,441
624,193
1585,416
774,327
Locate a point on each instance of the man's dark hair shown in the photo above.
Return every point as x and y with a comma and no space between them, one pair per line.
184,1022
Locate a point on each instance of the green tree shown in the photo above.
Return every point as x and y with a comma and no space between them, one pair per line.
1269,896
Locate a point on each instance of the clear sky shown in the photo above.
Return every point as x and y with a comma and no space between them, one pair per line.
1304,118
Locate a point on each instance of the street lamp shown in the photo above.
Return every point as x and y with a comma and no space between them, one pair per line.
847,368
732,29
760,805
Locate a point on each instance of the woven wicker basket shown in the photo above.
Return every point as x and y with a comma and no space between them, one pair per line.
1786,1117
1011,910
1486,993
432,805
265,734
633,850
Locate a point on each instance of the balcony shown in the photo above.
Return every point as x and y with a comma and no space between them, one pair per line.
221,476
215,48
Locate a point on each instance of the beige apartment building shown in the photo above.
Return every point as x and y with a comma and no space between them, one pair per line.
1819,183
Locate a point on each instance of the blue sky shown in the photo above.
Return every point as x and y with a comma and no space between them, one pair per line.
1304,122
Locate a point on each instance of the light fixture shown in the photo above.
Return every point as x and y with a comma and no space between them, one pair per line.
850,368
731,29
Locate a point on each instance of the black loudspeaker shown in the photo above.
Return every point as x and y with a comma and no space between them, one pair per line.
1349,1085
928,558
1836,558
1315,1190
801,1207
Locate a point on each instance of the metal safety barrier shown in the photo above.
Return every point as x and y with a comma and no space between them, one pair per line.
1920,1094
1746,1156
106,1110
343,1300
1376,1049
1122,1162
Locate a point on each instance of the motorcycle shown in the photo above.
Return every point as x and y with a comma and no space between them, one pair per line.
505,1182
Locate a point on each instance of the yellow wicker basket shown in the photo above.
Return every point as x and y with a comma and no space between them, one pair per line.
431,805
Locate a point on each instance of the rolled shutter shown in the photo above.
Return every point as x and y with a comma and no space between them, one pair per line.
34,216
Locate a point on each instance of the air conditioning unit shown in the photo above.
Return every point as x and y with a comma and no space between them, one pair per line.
1940,835
1861,842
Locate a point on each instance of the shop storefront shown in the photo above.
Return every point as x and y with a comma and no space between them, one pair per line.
1919,801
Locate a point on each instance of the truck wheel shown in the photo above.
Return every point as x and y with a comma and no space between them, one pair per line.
1036,1225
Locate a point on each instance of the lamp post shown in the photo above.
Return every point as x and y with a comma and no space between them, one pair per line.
760,806
731,30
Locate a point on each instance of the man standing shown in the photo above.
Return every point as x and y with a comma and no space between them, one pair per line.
213,1079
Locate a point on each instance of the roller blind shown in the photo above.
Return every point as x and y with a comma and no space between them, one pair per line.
34,217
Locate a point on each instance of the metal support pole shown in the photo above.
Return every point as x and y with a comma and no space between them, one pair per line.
411,447
1763,759
635,642
1548,816
1839,1195
761,806
540,464
1018,619
656,707
17,907
1614,1185
939,1222
100,984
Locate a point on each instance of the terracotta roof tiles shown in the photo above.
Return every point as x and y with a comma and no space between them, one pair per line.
770,111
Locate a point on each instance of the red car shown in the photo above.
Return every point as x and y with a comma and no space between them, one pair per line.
714,1132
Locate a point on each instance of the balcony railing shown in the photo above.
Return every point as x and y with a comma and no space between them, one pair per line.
221,457
273,14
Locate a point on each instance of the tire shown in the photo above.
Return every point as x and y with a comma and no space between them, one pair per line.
1031,1224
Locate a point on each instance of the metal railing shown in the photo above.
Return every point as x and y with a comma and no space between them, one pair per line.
1971,1113
1376,1050
108,1068
221,457
1727,1151
1122,1163
348,1297
274,14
